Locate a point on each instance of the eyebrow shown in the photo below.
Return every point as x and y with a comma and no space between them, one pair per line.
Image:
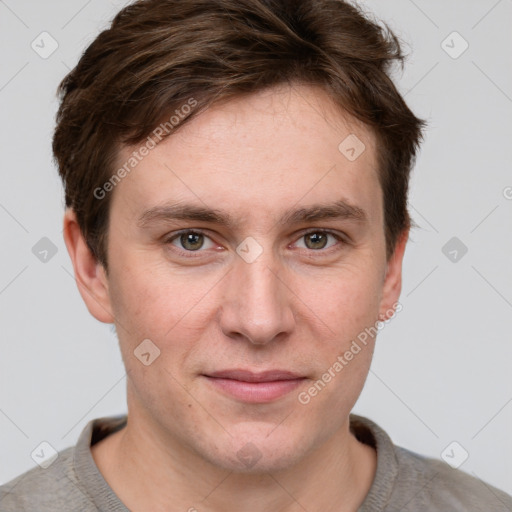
339,210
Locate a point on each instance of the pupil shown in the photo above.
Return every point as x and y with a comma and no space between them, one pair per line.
317,238
188,239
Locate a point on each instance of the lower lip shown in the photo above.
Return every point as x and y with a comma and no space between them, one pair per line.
255,392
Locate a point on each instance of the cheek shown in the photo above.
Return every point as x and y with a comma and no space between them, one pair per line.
344,355
347,302
170,309
349,307
150,298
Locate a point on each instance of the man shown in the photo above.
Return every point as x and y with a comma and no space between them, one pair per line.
236,177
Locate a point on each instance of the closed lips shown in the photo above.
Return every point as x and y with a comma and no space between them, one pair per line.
248,376
254,387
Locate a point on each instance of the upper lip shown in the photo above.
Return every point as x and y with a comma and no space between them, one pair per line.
250,376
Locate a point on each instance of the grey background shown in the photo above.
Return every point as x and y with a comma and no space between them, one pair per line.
441,371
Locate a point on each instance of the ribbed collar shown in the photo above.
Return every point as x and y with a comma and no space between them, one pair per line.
101,494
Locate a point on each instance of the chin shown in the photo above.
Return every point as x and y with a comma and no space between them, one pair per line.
253,450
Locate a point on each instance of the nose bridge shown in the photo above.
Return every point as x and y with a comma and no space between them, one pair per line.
257,304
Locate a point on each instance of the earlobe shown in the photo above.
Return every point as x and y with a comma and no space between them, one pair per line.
393,279
89,273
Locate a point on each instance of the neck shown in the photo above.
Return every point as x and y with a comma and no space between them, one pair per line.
149,471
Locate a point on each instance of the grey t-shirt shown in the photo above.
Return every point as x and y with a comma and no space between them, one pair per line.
404,481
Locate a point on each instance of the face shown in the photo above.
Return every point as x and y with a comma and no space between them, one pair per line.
250,250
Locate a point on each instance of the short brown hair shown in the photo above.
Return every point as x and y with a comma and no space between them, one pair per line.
157,54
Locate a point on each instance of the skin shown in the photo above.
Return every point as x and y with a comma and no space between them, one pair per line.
296,307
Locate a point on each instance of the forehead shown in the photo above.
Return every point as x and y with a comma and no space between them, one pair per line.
270,150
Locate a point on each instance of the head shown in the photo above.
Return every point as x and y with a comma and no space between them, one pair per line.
272,132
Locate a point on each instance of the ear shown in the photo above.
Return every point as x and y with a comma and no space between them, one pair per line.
90,275
393,279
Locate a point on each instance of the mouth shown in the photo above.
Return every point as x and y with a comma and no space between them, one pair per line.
255,387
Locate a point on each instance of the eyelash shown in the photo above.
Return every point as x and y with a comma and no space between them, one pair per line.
196,254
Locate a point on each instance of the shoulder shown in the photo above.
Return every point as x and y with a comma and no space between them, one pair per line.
71,482
406,481
426,482
46,490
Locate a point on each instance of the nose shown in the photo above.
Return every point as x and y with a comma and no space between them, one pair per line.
257,304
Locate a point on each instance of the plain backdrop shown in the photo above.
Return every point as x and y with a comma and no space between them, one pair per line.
441,371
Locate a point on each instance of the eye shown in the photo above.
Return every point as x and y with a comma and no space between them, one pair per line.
317,240
188,242
191,241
